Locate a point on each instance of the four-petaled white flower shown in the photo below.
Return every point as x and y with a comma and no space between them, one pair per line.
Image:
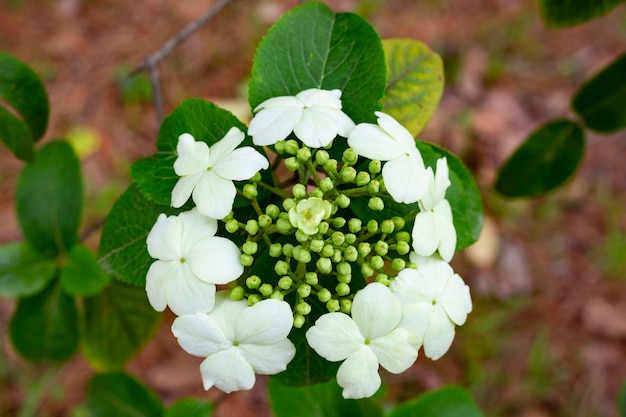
238,341
369,338
207,173
313,115
190,261
433,228
309,213
404,173
434,299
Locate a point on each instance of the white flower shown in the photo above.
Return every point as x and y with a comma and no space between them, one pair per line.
369,338
433,228
190,261
314,116
308,214
404,172
238,341
209,172
434,300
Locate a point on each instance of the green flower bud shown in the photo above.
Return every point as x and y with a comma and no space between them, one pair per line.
342,289
376,203
303,154
256,177
321,156
344,278
324,295
342,200
323,227
362,178
317,193
372,226
348,174
386,227
364,249
283,226
299,191
332,305
253,281
327,184
264,220
291,147
301,254
344,268
279,146
338,238
288,203
350,254
288,250
350,238
230,215
403,248
285,282
373,187
303,308
338,222
350,156
250,191
232,226
336,256
298,321
275,250
398,264
354,225
411,265
367,270
253,299
398,222
301,236
236,293
330,165
281,268
292,164
311,278
374,166
252,227
277,295
304,290
250,247
381,247
266,289
316,245
377,262
272,210
324,265
345,306
383,279
403,237
246,260
328,251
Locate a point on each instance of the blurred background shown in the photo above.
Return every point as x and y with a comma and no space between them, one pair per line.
547,336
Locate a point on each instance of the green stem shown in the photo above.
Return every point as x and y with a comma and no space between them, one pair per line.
277,191
36,391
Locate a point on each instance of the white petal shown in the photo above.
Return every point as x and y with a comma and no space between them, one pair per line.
372,142
159,274
425,238
225,146
317,97
195,227
456,300
425,261
439,335
184,187
428,199
375,310
442,179
335,336
186,294
215,260
273,124
226,312
443,209
358,375
267,322
199,335
396,130
394,352
282,101
214,195
193,156
269,359
403,286
447,237
165,237
316,128
405,179
228,371
241,164
416,318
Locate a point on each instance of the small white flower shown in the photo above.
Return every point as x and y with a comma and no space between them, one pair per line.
238,341
369,338
207,173
404,173
314,116
190,261
434,300
433,228
309,213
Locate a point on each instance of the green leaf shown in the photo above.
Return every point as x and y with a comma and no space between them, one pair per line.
120,395
24,106
563,13
24,272
81,275
189,407
123,251
600,101
463,194
414,83
116,324
317,400
49,199
205,121
544,161
445,402
311,47
621,401
45,326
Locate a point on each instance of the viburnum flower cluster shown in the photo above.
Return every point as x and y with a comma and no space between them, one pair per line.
370,293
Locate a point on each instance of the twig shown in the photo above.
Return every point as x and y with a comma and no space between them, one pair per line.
150,62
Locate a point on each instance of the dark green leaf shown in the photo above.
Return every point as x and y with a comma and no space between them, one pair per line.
120,395
24,272
49,199
621,401
311,47
600,101
123,251
445,402
317,400
117,323
45,326
414,83
189,407
24,106
544,161
155,177
562,13
81,275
